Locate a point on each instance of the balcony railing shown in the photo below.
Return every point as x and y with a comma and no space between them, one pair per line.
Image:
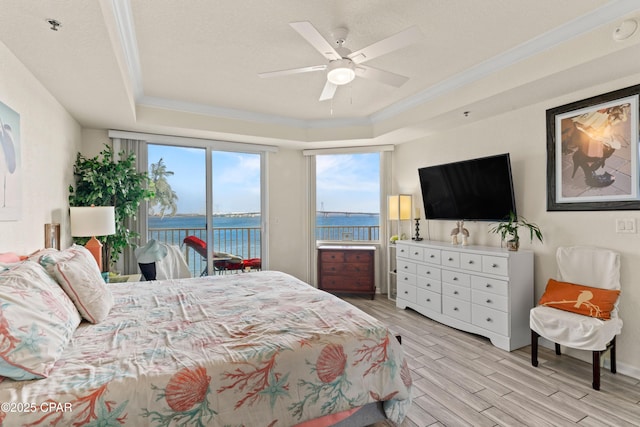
246,241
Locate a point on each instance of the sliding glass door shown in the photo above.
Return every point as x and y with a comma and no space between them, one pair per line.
207,202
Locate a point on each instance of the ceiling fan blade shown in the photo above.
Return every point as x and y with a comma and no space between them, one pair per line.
404,38
292,71
328,91
310,34
382,76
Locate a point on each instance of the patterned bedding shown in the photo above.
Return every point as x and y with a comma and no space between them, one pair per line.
250,349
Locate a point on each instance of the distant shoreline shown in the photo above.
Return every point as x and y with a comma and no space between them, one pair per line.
255,214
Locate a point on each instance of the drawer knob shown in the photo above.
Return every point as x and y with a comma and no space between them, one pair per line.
488,301
470,261
428,299
432,256
455,292
428,272
450,259
416,253
494,265
406,278
489,319
406,292
455,308
488,285
406,267
428,285
455,279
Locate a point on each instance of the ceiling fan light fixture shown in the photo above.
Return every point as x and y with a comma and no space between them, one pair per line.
341,72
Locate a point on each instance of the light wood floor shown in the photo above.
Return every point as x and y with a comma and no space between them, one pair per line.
462,380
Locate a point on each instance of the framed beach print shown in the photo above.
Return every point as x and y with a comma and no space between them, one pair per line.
10,171
592,153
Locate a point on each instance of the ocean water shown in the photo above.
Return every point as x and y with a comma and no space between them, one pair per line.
241,234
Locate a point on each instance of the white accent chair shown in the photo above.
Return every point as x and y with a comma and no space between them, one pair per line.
588,266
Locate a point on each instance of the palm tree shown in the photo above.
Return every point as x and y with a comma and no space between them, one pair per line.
165,198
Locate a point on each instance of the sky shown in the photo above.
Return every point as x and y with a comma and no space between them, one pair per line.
345,182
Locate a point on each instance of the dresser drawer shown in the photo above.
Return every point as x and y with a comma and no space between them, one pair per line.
407,278
353,256
495,301
331,256
490,319
450,259
495,265
358,268
429,300
432,255
500,287
428,271
402,251
332,268
430,284
471,262
406,292
454,291
406,266
345,283
457,278
416,253
456,308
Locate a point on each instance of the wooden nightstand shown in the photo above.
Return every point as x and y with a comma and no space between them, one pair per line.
347,269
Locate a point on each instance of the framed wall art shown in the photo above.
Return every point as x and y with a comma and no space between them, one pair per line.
592,153
10,170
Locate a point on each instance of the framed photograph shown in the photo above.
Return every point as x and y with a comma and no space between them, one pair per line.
592,153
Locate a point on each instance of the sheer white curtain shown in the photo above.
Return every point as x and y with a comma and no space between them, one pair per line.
127,263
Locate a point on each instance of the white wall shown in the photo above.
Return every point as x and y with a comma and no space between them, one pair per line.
522,133
50,139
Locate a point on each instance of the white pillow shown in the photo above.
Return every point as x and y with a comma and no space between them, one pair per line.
76,271
37,320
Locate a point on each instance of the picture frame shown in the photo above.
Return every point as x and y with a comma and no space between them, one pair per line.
592,153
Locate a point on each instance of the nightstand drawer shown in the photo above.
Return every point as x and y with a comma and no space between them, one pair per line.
332,256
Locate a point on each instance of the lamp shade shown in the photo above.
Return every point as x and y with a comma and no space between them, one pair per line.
399,207
92,221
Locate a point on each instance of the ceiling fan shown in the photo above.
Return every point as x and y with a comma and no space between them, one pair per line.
345,65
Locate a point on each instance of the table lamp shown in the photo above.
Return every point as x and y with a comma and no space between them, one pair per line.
92,221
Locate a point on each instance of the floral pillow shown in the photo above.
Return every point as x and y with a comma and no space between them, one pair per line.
76,271
585,300
37,320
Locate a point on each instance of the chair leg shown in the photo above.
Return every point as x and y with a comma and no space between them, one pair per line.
558,349
613,355
534,348
596,370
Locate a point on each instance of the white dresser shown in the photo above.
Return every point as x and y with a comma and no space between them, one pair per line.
483,290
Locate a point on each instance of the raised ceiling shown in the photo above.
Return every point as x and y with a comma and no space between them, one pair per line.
191,68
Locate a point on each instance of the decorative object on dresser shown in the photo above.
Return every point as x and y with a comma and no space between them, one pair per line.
509,229
92,221
483,290
347,269
417,237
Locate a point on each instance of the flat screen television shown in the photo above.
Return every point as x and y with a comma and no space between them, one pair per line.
472,190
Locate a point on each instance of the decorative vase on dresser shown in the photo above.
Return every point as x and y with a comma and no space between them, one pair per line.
479,289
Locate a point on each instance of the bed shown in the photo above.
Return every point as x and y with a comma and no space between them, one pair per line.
249,349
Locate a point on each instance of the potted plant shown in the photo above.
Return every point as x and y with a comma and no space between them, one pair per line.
103,181
508,230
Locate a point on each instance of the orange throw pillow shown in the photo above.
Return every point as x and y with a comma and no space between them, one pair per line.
594,302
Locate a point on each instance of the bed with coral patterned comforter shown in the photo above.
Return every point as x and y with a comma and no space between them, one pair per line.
251,349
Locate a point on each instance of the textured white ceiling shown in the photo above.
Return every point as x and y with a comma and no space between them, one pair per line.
190,67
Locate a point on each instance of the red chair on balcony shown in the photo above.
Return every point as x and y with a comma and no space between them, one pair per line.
221,261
